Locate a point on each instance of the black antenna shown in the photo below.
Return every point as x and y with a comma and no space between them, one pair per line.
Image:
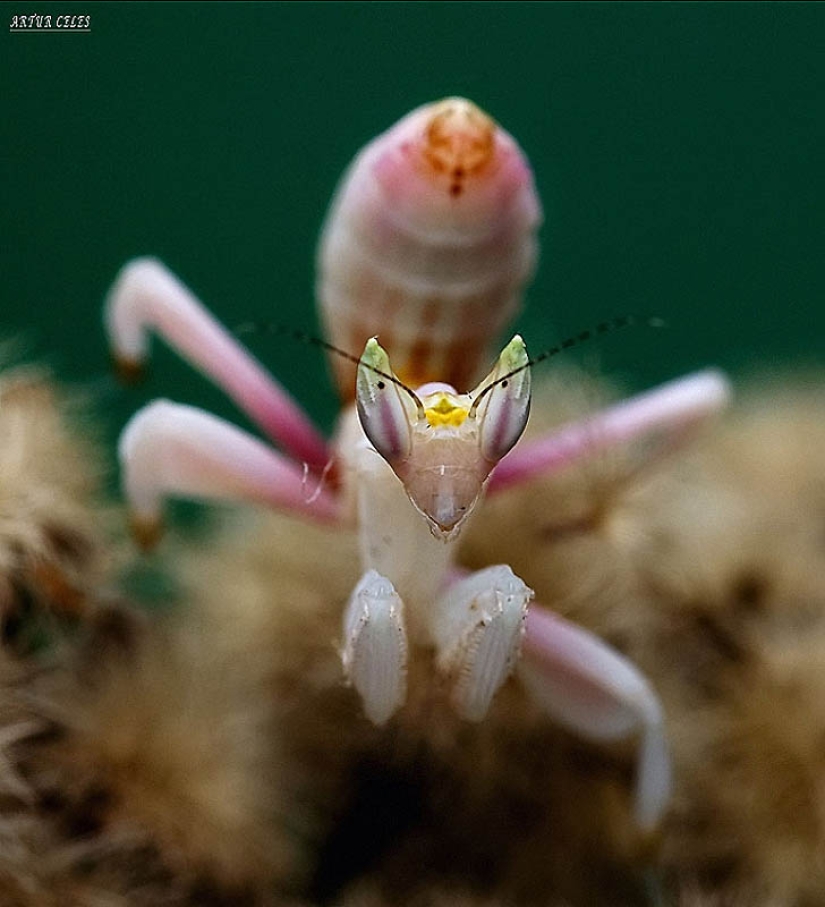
602,328
265,327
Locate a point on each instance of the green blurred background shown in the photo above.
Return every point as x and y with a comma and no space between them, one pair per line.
678,150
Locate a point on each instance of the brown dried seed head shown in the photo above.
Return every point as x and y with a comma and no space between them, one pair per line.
459,139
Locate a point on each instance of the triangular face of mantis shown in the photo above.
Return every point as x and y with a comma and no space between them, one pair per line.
443,445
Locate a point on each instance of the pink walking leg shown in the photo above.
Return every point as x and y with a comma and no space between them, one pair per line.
171,449
146,295
587,686
673,408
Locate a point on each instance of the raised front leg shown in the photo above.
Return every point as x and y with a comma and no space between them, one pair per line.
587,686
374,652
147,296
477,626
169,449
673,410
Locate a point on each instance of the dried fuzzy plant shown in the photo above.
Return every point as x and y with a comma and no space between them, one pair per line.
707,570
52,527
133,760
213,755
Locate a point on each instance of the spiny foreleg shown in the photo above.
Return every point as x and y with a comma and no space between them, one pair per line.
477,627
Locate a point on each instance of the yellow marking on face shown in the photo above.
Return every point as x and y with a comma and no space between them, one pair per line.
445,411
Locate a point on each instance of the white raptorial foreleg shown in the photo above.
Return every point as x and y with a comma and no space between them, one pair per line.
583,683
477,627
169,449
374,652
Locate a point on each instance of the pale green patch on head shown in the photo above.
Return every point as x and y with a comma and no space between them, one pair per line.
501,402
387,408
375,356
514,355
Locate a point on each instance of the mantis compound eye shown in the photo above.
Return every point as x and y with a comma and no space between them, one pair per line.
501,403
387,408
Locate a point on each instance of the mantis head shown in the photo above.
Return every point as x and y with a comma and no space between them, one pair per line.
443,445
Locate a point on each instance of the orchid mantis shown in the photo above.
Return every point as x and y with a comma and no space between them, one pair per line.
429,243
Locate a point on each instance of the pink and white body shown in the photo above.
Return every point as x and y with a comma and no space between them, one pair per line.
428,245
